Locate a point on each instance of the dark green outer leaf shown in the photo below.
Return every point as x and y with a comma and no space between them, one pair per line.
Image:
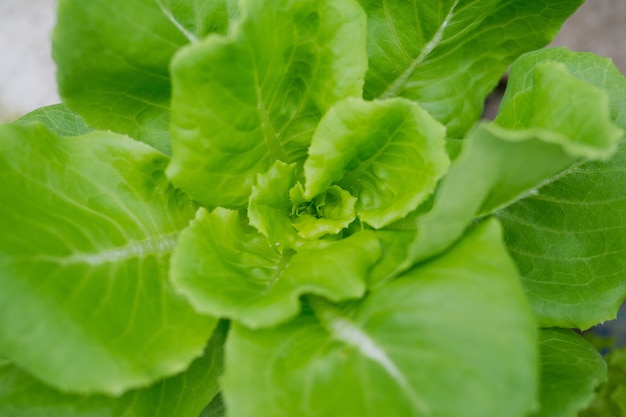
492,170
610,400
113,59
88,224
58,118
449,54
183,395
570,370
569,240
215,408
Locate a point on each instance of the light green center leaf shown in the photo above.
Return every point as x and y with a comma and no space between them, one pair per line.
228,269
327,214
389,154
270,205
242,101
88,224
407,350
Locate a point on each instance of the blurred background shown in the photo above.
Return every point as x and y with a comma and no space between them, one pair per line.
27,79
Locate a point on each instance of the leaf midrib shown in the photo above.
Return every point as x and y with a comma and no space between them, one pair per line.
347,331
157,245
395,87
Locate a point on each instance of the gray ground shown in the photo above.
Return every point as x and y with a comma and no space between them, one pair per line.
27,71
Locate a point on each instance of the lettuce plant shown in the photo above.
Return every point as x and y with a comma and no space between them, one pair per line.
293,208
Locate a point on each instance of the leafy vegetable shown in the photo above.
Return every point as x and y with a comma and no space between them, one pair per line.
315,173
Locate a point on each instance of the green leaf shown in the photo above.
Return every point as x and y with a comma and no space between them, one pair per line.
610,399
113,58
492,170
570,370
228,269
88,224
437,341
393,245
215,408
279,210
448,55
270,205
390,154
183,395
243,101
58,118
576,112
326,214
569,239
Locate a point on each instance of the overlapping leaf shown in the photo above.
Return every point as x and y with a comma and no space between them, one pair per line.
570,370
243,101
448,55
270,205
569,239
493,167
279,210
58,119
113,58
183,395
389,154
228,269
610,399
410,349
88,224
